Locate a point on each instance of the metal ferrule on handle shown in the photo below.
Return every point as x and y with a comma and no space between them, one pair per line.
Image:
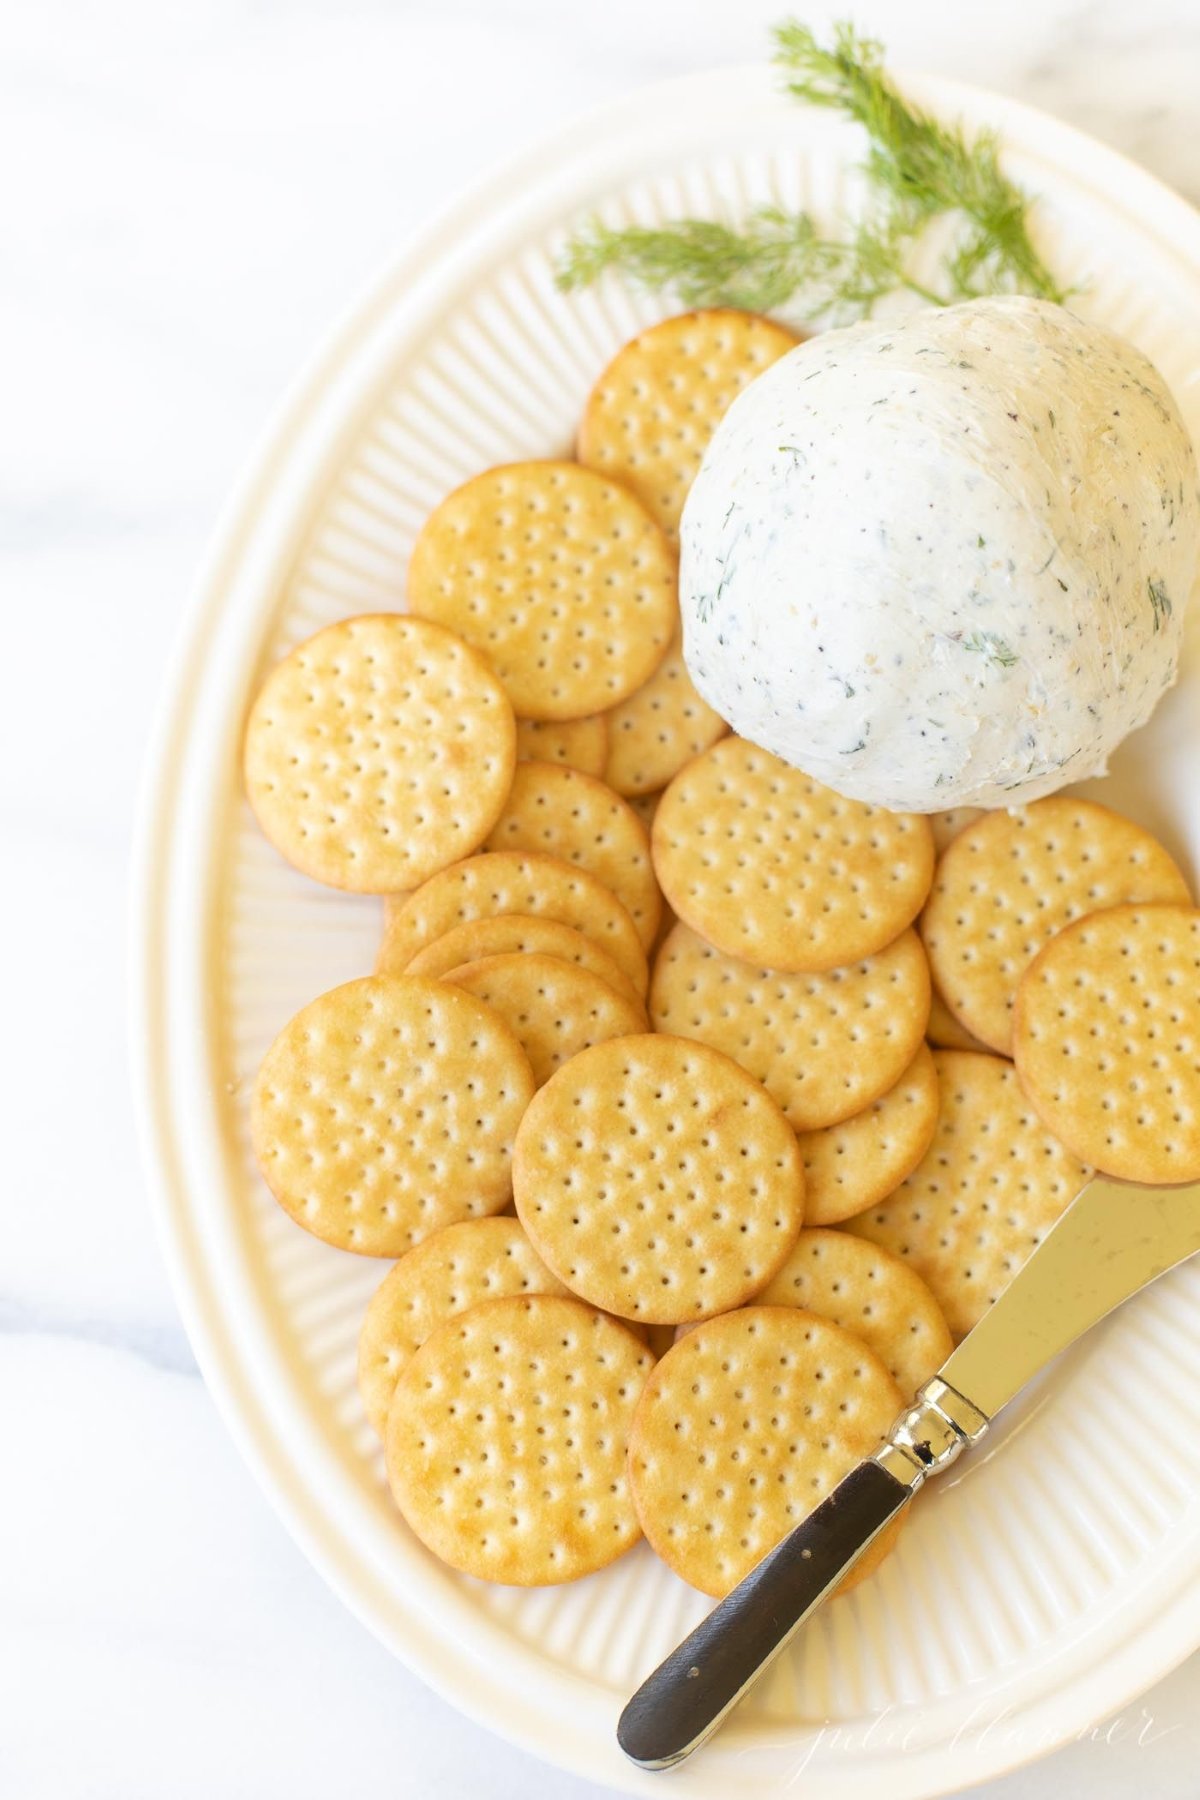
689,1694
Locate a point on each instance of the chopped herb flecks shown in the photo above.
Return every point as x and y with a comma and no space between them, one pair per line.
986,643
1160,603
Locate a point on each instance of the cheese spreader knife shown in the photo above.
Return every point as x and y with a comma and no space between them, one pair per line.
1112,1240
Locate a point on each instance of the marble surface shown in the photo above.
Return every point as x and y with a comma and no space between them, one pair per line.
192,192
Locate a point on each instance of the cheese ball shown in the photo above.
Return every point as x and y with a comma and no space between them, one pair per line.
944,561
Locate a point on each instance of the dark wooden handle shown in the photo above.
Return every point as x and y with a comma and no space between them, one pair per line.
689,1694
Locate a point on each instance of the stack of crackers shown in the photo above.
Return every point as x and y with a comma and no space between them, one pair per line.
640,1096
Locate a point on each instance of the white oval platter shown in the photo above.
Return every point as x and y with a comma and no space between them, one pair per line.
1059,1574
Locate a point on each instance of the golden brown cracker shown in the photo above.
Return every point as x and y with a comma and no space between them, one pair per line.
555,1008
987,1191
512,932
379,751
507,1440
387,1108
658,729
944,1031
770,866
651,414
868,1291
511,882
854,1165
824,1046
558,576
743,1428
645,806
580,743
947,825
658,1179
560,812
1107,1040
446,1274
1009,882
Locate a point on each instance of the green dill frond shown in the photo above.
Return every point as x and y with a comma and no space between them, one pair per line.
775,257
917,169
925,165
874,264
757,267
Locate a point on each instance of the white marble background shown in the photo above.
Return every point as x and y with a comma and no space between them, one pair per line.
190,190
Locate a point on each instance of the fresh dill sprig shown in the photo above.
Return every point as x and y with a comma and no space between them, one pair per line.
917,169
921,163
707,263
775,255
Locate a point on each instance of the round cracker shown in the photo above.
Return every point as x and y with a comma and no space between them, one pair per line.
645,806
866,1290
507,1439
456,1268
984,1195
509,933
745,1426
658,729
379,751
947,825
1107,1040
504,882
1009,882
651,414
824,1046
387,1108
658,1179
564,813
856,1164
944,1031
560,577
555,1008
770,866
579,743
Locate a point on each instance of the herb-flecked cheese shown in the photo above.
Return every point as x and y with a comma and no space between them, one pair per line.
944,561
